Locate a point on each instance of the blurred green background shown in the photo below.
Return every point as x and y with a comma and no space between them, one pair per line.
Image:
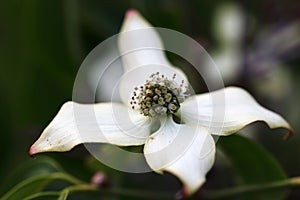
43,42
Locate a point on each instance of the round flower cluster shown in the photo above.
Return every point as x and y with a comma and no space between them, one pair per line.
158,96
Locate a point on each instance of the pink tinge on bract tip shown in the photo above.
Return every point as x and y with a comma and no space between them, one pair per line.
32,151
131,12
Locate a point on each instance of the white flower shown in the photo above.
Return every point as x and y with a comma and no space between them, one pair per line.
186,149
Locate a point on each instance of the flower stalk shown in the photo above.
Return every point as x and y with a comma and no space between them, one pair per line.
239,190
80,186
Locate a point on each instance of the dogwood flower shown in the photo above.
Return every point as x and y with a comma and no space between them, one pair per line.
153,94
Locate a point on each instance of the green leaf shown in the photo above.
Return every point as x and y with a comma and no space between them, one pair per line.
63,195
33,167
28,187
47,195
253,165
36,184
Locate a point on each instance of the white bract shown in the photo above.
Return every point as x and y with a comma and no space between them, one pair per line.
152,96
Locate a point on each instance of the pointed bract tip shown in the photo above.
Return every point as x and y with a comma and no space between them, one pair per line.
131,13
185,191
133,20
32,151
182,194
289,134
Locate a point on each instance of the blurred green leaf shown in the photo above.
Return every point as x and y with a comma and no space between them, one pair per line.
44,195
28,187
254,165
33,167
36,184
64,195
32,177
